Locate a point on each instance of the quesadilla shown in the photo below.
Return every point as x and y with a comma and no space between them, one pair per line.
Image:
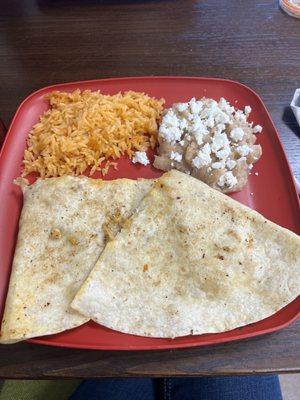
64,226
191,261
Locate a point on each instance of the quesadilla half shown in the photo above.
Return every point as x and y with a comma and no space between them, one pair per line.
64,226
191,261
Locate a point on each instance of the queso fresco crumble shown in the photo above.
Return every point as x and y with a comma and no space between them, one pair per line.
212,141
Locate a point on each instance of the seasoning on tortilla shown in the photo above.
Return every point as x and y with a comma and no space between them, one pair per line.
212,265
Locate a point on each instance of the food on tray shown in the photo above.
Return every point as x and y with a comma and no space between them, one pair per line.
163,259
64,226
89,129
191,261
212,141
140,157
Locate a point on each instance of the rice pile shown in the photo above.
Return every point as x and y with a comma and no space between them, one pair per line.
89,129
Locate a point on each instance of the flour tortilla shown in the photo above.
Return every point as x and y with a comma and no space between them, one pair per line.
191,261
64,226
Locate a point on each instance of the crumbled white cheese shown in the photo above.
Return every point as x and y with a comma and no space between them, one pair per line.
170,119
221,125
220,128
195,106
237,134
221,117
200,104
230,164
250,166
223,103
189,116
170,134
227,180
219,141
257,129
229,109
197,123
183,124
198,136
256,173
243,150
210,122
225,106
198,130
240,116
248,110
251,194
175,156
206,148
218,164
181,107
223,153
206,113
140,157
202,159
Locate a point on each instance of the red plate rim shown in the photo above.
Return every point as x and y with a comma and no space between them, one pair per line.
172,342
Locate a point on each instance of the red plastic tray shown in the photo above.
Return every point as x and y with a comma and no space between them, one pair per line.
272,193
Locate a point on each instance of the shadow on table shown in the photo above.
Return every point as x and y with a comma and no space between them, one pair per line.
290,121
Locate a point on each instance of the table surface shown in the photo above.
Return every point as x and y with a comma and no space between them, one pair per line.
254,42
